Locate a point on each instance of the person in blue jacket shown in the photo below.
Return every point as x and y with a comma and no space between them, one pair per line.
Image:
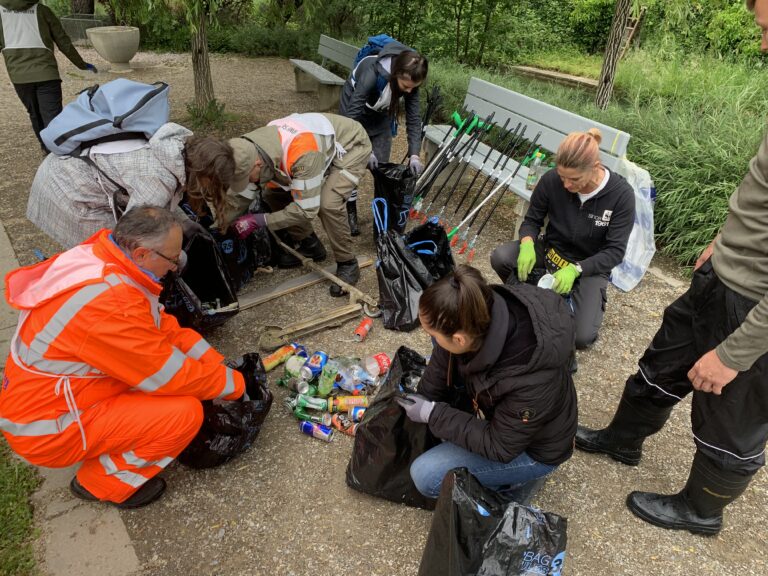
371,95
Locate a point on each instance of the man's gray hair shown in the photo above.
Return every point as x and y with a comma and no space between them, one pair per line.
146,226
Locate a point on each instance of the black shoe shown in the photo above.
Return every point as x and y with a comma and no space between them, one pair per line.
604,442
349,272
311,247
150,491
674,512
354,229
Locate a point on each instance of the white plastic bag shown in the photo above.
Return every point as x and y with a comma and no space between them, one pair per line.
641,246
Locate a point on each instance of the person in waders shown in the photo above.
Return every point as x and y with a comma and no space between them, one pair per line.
713,343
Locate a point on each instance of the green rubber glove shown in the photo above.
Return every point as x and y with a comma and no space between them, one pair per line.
526,260
564,279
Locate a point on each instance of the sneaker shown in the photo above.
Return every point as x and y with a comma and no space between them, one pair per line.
150,491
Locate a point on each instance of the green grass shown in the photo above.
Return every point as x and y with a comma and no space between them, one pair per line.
571,62
17,482
695,124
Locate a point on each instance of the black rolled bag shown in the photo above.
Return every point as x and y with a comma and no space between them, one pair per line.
230,427
477,532
387,441
406,266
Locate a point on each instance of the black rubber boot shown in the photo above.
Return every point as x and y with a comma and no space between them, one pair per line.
311,247
348,271
622,440
354,229
698,508
150,491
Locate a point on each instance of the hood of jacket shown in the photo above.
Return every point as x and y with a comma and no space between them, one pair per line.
393,49
167,145
17,5
552,325
29,287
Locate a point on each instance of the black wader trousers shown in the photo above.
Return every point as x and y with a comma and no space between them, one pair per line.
731,429
42,101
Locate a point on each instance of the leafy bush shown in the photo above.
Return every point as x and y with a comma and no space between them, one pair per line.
732,31
254,40
591,22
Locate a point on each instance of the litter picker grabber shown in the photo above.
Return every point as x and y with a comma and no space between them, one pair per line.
359,302
449,140
454,150
471,245
462,162
495,174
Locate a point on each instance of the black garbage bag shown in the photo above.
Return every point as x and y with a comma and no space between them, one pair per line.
202,296
401,275
387,441
395,184
230,427
430,243
476,531
238,256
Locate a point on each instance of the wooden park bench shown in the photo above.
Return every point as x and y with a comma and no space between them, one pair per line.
554,123
313,77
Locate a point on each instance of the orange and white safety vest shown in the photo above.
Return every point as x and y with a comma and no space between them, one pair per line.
91,327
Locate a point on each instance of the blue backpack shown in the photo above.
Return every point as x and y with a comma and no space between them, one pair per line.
374,46
118,110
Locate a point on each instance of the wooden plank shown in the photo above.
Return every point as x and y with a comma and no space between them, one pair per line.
338,51
555,76
614,141
318,72
292,285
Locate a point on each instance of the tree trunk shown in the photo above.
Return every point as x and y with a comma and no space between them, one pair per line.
201,65
468,33
612,50
489,8
81,6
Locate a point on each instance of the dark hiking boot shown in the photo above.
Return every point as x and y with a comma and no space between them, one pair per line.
354,229
311,247
604,442
150,491
699,507
347,271
636,418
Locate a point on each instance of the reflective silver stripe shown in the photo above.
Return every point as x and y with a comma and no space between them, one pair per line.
199,349
125,476
308,203
38,427
62,367
656,385
352,178
166,373
43,339
229,385
154,300
133,460
308,184
743,458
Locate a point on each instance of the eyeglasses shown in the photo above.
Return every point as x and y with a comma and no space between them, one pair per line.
175,261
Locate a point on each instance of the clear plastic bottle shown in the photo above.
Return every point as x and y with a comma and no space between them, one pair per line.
534,171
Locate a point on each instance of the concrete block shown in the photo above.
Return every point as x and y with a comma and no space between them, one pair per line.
329,95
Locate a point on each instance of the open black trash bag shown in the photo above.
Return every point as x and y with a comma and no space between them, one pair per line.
230,427
430,243
401,276
476,531
238,256
202,296
387,441
395,184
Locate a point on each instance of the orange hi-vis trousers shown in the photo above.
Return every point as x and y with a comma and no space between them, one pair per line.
131,437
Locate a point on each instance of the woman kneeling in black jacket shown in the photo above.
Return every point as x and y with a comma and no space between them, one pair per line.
502,353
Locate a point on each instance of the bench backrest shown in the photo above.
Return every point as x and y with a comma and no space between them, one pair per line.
554,123
337,51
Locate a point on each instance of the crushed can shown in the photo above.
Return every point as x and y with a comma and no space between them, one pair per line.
343,424
363,328
314,366
278,357
356,413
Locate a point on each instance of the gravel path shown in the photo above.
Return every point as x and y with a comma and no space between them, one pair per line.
283,508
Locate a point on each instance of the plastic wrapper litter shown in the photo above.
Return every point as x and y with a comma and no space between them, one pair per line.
477,532
230,427
387,441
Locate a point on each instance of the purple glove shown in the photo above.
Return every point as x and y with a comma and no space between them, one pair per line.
247,224
415,165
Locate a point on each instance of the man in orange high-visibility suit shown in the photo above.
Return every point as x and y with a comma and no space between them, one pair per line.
98,373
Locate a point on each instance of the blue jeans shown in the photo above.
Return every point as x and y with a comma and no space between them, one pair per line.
429,469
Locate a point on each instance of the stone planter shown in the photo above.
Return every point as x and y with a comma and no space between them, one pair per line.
75,25
116,44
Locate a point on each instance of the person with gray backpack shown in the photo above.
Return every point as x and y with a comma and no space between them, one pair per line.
28,34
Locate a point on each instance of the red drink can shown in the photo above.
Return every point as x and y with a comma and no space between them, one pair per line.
363,328
378,364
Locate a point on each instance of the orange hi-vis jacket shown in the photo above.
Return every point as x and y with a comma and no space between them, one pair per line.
91,328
